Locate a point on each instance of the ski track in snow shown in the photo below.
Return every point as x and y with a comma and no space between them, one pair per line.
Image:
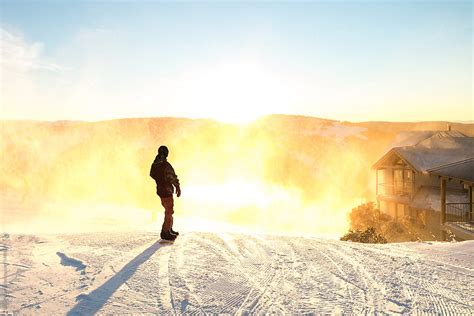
82,274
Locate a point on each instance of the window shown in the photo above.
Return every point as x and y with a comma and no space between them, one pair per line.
398,181
402,181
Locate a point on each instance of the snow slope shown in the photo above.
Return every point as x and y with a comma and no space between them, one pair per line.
231,273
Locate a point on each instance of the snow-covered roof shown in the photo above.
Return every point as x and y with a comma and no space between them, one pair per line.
411,138
436,150
461,170
430,198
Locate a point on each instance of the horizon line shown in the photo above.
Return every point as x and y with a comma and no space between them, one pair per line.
229,123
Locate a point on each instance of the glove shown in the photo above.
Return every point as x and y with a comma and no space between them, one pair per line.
178,192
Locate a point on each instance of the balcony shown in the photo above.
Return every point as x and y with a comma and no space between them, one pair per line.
397,188
460,214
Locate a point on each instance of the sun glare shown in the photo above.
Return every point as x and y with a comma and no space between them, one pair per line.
250,176
234,92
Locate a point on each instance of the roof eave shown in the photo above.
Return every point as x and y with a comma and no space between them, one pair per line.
388,154
464,181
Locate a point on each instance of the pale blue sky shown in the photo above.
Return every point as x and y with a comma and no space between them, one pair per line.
397,60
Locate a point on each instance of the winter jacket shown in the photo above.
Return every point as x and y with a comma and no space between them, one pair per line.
165,177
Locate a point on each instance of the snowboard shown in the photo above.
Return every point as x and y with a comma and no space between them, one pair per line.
164,241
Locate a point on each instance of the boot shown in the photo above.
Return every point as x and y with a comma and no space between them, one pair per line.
173,232
167,236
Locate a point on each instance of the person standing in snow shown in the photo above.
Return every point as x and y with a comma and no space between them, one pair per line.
166,183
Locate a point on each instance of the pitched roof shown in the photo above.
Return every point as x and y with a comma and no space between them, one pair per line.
412,138
461,170
435,150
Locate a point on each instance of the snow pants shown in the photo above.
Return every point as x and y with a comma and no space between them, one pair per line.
168,204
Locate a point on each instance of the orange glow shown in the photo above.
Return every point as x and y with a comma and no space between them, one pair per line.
259,177
237,91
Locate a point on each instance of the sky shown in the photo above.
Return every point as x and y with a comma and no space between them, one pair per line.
236,61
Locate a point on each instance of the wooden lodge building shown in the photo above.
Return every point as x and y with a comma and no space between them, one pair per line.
428,177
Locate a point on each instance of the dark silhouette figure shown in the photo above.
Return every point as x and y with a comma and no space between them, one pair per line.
166,183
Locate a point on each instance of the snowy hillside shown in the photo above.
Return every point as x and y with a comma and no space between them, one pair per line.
230,273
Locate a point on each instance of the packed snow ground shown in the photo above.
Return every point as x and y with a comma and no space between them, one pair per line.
231,273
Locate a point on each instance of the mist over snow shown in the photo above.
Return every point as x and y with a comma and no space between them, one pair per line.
279,174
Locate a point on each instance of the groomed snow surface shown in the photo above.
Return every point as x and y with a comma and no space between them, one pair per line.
82,274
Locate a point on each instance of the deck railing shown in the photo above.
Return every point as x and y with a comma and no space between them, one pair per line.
460,213
399,188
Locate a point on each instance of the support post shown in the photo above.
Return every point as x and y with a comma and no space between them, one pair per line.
403,181
443,200
443,209
377,188
470,203
377,182
393,181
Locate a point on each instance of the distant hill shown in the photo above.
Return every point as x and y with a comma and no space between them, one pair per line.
324,163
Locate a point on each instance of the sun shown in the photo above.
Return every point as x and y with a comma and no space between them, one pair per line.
234,92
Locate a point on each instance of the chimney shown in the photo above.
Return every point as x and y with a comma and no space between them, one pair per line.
449,127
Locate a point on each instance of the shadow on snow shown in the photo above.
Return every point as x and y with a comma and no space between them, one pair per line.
71,262
93,302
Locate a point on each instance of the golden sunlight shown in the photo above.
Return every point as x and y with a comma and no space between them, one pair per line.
259,177
233,92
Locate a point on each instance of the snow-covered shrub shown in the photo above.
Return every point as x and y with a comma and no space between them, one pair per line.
365,236
367,215
367,222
